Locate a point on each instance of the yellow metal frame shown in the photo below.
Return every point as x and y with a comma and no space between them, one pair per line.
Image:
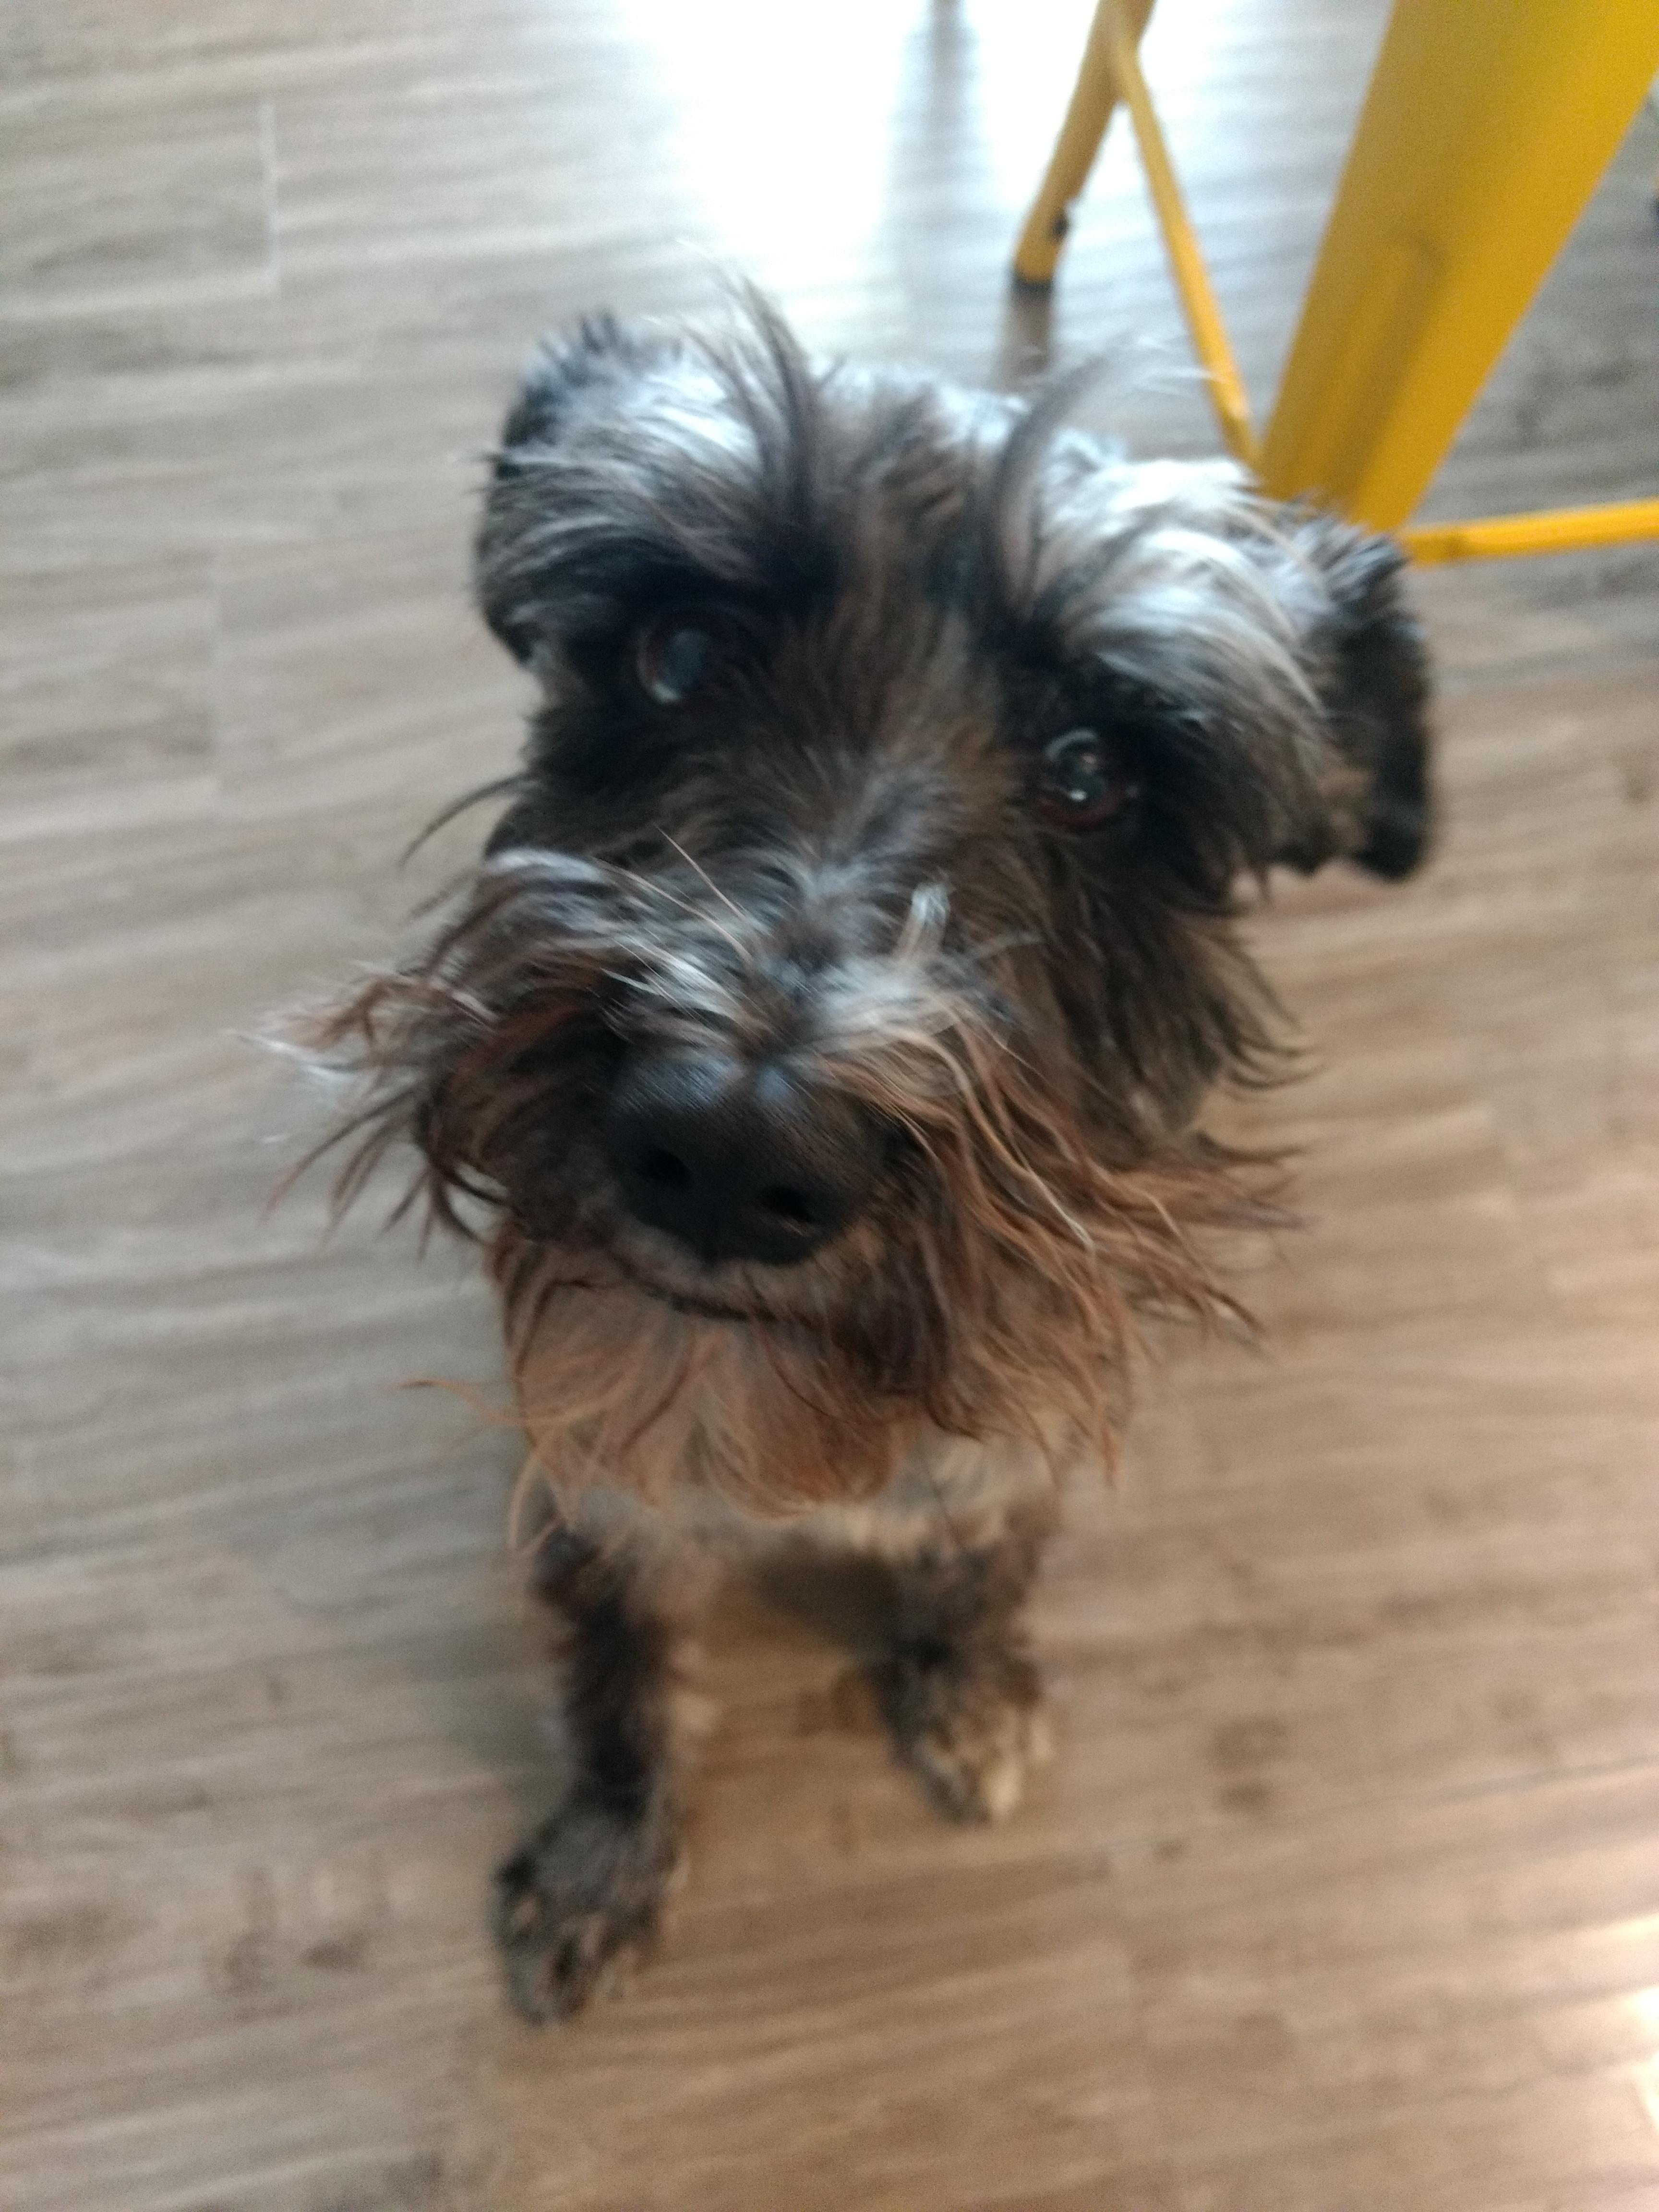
1093,98
1209,332
1486,129
1558,530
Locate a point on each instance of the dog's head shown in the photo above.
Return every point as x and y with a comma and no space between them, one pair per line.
823,1032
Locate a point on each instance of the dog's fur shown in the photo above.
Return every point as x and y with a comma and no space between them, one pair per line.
835,853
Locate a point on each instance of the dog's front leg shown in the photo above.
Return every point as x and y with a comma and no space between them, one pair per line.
589,1883
958,1686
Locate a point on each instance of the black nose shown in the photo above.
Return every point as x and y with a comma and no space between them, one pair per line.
738,1163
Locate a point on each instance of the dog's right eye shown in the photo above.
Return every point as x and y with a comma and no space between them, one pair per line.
1082,780
674,657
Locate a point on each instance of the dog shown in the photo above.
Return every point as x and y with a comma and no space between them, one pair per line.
818,1046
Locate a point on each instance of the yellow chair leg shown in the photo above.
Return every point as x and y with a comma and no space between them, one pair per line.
1093,98
1561,529
1192,278
1487,127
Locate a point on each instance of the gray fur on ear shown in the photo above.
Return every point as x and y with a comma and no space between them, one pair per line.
635,461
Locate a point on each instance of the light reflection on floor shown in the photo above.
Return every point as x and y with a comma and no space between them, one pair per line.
782,128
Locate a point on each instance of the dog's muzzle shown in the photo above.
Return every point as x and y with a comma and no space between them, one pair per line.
737,1161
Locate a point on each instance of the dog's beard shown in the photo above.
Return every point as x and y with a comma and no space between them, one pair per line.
620,1387
998,1298
991,1291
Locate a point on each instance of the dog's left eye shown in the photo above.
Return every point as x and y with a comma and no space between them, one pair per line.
1082,780
674,657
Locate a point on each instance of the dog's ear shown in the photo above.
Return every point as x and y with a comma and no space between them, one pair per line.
1261,658
1368,665
639,467
594,370
572,405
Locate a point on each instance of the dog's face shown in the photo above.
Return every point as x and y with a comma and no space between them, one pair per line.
833,1001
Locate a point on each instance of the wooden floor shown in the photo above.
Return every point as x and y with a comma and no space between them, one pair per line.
1344,1894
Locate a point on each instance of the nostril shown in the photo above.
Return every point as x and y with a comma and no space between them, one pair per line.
666,1170
788,1204
735,1162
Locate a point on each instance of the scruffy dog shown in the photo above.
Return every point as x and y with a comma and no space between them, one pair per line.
817,1047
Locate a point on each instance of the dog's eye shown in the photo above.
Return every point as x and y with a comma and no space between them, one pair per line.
674,657
1082,780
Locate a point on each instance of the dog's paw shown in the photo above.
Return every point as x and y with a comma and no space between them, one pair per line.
586,1889
976,1769
970,1736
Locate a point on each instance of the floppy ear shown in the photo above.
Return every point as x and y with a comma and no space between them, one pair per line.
1370,668
1263,654
638,464
574,398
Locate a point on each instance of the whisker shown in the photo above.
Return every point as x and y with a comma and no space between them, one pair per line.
446,815
748,919
673,898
